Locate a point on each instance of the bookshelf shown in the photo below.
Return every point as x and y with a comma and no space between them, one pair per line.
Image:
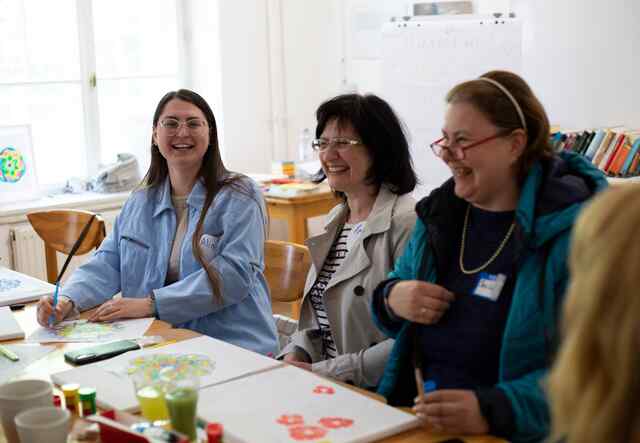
615,151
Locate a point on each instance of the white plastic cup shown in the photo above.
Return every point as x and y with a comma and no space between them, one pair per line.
18,396
46,424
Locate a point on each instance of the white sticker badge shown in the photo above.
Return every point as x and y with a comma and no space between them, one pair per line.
490,285
208,244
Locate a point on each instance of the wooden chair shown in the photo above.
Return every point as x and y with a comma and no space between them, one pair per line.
59,229
286,267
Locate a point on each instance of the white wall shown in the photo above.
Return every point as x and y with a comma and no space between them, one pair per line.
235,45
313,56
231,71
581,57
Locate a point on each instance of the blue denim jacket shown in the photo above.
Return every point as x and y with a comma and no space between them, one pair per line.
134,258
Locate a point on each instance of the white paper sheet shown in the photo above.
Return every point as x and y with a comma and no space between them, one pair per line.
27,354
9,327
287,403
16,287
115,390
84,331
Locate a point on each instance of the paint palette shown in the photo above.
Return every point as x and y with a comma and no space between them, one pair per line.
182,365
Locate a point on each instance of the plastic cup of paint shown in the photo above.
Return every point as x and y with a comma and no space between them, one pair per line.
151,397
181,395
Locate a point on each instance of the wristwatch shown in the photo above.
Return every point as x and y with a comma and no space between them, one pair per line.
152,301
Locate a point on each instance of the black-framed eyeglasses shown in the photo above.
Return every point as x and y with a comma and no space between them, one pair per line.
193,125
340,143
456,149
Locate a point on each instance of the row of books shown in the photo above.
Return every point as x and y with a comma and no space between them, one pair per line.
614,151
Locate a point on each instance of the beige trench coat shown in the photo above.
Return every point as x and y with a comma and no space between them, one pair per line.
362,349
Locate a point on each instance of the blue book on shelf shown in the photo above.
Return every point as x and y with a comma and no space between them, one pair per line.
632,153
593,146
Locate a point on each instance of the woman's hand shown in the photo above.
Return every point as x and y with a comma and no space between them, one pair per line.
45,308
452,411
124,307
297,359
301,364
419,301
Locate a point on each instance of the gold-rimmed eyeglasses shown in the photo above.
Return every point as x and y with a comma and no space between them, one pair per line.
340,143
193,125
457,149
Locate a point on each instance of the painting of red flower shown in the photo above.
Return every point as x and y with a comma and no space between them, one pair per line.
324,390
335,422
290,420
307,432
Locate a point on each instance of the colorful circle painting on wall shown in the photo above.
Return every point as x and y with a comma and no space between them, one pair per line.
12,165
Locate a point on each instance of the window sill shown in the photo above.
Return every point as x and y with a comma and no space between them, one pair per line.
94,201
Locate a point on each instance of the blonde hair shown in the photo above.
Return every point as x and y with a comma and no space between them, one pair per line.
594,386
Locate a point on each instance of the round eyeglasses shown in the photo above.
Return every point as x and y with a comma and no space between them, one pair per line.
193,125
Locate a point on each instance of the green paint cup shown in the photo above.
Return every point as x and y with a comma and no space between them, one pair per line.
181,395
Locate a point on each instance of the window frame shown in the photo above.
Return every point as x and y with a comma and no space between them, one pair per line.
89,85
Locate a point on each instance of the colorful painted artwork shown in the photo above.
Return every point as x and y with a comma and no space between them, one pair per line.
18,180
19,288
301,431
85,331
182,365
12,165
7,284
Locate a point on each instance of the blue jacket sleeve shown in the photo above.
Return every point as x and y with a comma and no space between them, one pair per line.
238,262
98,279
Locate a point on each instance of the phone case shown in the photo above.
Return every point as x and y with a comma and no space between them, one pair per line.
100,352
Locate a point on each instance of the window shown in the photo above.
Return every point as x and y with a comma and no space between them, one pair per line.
86,75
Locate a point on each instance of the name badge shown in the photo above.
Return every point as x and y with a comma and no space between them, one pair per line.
489,285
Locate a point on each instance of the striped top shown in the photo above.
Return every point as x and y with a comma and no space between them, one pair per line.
338,252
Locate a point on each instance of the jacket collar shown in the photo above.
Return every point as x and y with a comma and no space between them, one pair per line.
379,220
163,196
552,194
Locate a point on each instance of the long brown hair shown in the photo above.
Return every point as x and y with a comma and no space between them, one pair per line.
500,111
212,172
594,386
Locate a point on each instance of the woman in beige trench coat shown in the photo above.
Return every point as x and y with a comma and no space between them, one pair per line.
365,158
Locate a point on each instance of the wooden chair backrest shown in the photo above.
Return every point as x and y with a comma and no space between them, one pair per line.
286,268
59,229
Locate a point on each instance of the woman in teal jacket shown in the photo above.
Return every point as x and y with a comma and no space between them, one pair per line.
473,300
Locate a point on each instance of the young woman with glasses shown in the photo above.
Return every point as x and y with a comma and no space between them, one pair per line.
473,300
177,251
365,159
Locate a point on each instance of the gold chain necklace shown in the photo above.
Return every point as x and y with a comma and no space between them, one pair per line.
495,254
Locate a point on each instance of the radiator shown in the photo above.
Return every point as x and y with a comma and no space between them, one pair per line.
28,251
